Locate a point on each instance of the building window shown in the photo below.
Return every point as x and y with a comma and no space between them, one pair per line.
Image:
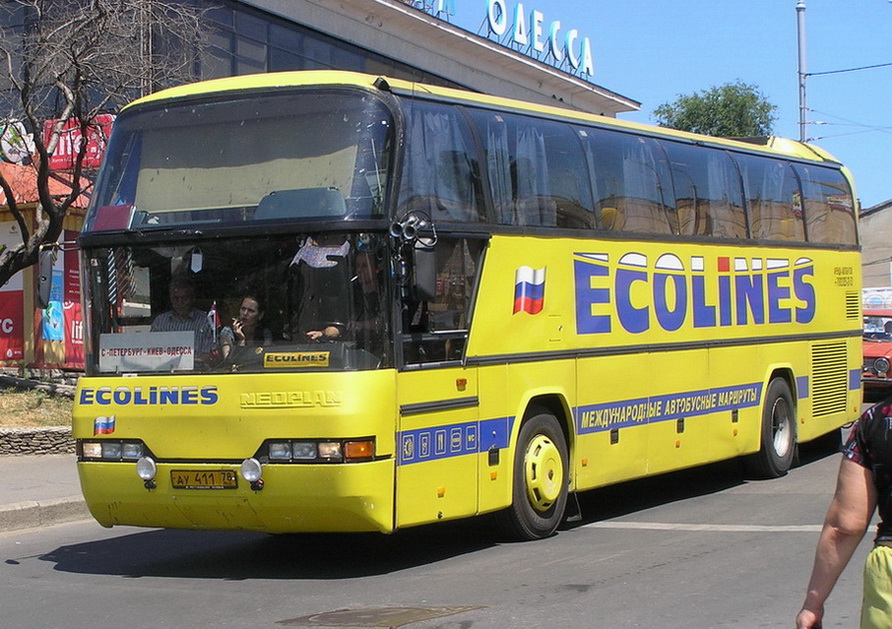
246,41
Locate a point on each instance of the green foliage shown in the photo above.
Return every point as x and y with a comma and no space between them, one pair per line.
730,110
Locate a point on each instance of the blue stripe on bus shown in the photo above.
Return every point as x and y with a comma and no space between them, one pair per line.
637,412
447,441
466,438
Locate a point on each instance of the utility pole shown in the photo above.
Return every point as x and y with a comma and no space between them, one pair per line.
800,21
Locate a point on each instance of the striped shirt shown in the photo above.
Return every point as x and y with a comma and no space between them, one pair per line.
197,321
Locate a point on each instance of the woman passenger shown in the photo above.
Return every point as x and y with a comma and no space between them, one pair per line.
245,330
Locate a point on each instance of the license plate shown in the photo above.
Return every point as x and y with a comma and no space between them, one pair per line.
203,479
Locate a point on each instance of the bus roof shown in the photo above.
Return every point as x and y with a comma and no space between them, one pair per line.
282,80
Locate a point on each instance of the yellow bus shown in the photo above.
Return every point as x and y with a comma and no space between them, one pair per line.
326,301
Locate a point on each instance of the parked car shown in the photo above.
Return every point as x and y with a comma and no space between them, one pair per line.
876,372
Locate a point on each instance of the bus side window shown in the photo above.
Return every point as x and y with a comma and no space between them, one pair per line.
568,179
773,199
436,330
709,197
631,186
828,205
441,177
536,172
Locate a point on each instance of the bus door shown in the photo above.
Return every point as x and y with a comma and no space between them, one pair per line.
437,395
438,436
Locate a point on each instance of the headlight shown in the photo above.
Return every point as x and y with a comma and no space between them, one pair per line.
251,470
91,449
131,451
111,450
146,468
881,365
330,450
305,450
317,451
279,450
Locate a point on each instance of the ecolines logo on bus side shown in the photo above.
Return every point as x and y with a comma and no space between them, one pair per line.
638,291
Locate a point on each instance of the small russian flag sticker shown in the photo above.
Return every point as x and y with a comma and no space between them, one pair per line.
529,290
104,425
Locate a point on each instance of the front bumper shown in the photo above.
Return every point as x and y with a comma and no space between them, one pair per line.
352,497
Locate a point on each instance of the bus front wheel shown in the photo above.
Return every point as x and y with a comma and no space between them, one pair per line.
778,439
539,494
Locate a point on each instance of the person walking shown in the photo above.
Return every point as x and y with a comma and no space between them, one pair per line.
863,484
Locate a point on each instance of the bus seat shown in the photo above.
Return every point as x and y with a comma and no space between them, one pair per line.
301,203
608,218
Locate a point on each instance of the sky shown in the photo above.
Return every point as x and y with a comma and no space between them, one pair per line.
653,51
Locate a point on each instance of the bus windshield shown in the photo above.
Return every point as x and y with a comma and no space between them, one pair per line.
307,302
298,155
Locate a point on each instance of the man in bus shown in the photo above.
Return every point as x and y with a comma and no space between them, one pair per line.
864,483
184,317
319,281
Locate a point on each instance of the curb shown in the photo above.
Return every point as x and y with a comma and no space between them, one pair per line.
31,514
39,441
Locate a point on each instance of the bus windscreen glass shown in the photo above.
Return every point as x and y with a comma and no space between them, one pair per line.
300,155
293,302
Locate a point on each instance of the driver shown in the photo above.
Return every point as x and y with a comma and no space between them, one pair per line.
320,281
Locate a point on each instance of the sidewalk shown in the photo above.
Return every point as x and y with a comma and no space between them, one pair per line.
39,490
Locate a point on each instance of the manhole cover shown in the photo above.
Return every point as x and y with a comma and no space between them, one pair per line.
382,617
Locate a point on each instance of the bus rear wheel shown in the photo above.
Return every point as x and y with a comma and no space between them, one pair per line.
539,494
778,450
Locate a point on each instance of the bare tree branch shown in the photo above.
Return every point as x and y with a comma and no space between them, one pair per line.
69,61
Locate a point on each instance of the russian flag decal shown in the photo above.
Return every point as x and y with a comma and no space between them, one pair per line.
104,425
529,290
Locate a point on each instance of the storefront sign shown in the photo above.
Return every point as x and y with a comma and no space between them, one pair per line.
529,30
12,303
70,141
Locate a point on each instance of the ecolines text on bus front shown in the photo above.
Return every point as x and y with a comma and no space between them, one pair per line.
149,396
640,292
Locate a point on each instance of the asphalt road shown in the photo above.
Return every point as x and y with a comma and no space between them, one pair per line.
697,549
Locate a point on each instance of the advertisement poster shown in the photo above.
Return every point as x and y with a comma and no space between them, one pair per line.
52,315
71,305
71,140
12,304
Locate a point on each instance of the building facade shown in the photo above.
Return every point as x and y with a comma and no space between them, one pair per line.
876,250
407,39
393,38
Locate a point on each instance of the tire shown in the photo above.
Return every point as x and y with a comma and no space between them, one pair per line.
778,448
539,494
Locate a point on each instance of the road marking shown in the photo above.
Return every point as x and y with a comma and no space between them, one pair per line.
709,528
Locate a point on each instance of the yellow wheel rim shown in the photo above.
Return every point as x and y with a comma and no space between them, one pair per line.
543,472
